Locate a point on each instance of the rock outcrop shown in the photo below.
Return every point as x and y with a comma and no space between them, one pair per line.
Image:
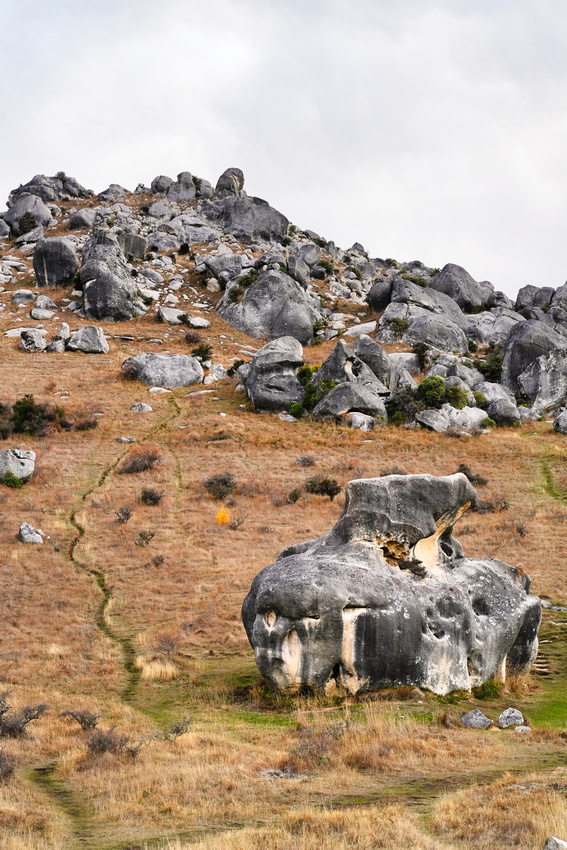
109,293
163,370
55,262
19,462
388,598
271,381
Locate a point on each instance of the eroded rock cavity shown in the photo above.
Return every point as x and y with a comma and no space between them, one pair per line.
388,598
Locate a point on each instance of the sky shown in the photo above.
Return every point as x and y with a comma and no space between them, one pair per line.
424,129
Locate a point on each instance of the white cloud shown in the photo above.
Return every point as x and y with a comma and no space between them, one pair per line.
429,130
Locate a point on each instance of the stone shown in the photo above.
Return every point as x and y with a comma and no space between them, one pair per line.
161,184
16,333
475,719
42,302
486,328
405,360
23,296
504,412
140,407
544,382
19,462
458,284
533,296
361,421
89,339
510,717
343,366
298,270
309,253
467,374
224,267
198,322
114,192
163,370
560,423
275,305
4,229
492,392
271,381
527,341
171,316
82,219
58,188
374,356
34,210
133,245
387,598
553,843
380,294
448,417
252,219
32,340
55,262
109,293
407,292
364,328
183,189
231,182
347,398
28,534
40,315
437,332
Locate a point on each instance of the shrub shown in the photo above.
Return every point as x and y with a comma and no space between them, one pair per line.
246,280
124,513
235,292
487,422
27,223
475,479
11,480
28,417
491,368
481,400
399,326
305,460
87,423
318,326
392,470
456,396
296,409
491,506
110,742
221,485
431,392
236,365
314,393
7,765
421,350
488,690
397,419
204,351
321,486
304,374
184,248
402,407
140,459
151,496
193,337
85,719
294,495
420,281
6,422
286,241
144,538
13,723
326,265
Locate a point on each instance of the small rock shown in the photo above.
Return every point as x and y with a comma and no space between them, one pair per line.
198,322
32,340
510,717
366,328
39,315
475,719
19,462
553,843
89,339
140,407
158,390
125,439
28,534
287,417
23,296
523,729
361,421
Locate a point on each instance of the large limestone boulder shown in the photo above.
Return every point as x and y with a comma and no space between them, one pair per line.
17,461
544,382
90,339
275,305
347,398
387,598
459,285
109,293
343,366
437,332
183,189
375,357
406,292
251,219
271,381
58,188
527,341
163,370
231,182
55,262
27,212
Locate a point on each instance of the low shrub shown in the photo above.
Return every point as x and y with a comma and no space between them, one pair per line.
321,486
487,422
392,470
111,742
151,496
490,368
203,351
28,417
296,409
86,719
495,505
481,400
87,423
236,365
11,480
7,766
456,397
326,265
140,459
488,690
431,392
402,407
305,460
221,485
315,392
399,326
193,337
124,513
13,723
474,478
294,495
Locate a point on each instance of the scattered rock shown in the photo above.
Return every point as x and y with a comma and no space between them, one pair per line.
26,213
361,421
458,284
163,370
504,412
29,534
55,262
89,339
527,341
510,717
23,296
560,423
475,719
32,340
140,407
553,843
19,462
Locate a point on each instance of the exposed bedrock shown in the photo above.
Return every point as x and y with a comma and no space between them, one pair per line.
388,598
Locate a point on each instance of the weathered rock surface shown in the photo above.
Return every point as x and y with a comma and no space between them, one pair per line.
89,339
375,357
270,380
475,719
504,412
560,423
29,534
163,370
34,210
544,382
58,188
454,281
510,717
447,417
350,397
32,340
275,305
343,366
553,843
437,332
19,462
251,219
527,341
55,262
387,598
109,294
231,182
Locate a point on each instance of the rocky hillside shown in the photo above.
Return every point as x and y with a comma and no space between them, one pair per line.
178,250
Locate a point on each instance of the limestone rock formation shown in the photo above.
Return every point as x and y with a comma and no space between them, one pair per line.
19,462
55,262
388,598
108,289
270,380
163,370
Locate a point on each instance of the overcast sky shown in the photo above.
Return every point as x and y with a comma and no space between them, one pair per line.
425,129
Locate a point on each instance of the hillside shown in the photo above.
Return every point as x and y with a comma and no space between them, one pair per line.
131,611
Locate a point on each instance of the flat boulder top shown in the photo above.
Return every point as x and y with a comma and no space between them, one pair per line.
163,370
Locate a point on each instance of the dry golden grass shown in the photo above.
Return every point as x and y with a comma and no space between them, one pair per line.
177,579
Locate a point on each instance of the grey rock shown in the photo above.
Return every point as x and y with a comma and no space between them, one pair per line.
19,462
42,302
133,245
251,219
361,421
504,412
231,182
466,419
16,333
364,328
298,270
437,332
230,265
183,189
163,370
198,322
56,346
270,380
544,382
161,184
23,296
475,719
406,292
527,341
380,294
89,339
405,360
113,193
492,392
387,598
109,294
30,237
55,262
275,305
171,316
402,381
533,296
161,209
58,188
82,219
29,206
560,423
343,366
28,534
458,284
40,315
434,420
374,356
510,717
488,328
470,376
140,407
347,398
4,229
553,843
32,340
455,381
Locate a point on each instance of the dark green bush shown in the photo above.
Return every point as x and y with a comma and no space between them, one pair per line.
28,417
246,280
236,292
490,368
431,392
321,486
11,480
327,265
27,223
456,396
294,495
315,392
488,690
184,248
402,407
399,326
296,409
221,485
203,350
236,365
481,400
151,496
488,423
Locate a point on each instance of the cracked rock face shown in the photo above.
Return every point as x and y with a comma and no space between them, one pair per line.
387,598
